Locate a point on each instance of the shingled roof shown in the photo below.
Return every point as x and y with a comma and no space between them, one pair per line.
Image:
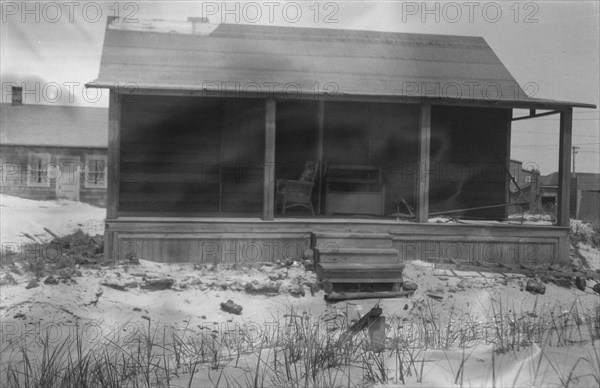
53,125
163,55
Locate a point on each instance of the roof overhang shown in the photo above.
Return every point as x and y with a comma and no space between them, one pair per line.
325,95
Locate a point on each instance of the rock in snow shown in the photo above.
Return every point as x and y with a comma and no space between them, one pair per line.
231,307
535,287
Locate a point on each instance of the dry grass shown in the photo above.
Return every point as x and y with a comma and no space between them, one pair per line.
301,351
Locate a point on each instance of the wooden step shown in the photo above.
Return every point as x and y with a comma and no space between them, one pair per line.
332,241
358,273
364,256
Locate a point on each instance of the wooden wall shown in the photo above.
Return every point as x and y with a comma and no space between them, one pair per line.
468,159
191,155
14,173
245,240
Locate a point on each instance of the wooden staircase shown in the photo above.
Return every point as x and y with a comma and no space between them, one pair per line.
362,260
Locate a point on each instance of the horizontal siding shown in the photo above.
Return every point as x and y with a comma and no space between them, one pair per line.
14,180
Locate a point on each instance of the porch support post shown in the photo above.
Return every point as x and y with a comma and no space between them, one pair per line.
114,146
112,171
320,131
507,198
564,167
269,168
424,161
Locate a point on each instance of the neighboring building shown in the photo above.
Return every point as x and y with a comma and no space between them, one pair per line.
526,188
221,112
585,195
549,192
49,151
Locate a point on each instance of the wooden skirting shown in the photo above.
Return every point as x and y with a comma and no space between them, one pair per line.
253,240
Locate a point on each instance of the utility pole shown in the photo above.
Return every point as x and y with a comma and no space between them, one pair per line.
574,152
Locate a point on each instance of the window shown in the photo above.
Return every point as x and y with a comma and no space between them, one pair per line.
95,171
38,170
528,179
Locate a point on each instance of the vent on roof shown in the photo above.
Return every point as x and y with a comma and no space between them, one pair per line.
17,95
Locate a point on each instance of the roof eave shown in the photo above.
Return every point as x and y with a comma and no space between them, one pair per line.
132,87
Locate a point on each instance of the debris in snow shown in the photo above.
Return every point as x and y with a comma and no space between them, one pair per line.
32,284
158,284
535,287
6,279
561,281
409,286
255,287
337,297
580,282
297,290
51,233
51,280
114,286
231,307
464,284
435,297
361,324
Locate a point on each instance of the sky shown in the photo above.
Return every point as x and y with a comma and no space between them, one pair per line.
550,47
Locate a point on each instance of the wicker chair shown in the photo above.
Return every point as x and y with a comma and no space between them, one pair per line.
297,193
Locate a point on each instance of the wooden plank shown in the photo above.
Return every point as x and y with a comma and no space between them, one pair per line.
564,167
424,163
220,156
337,297
320,132
509,113
114,140
269,167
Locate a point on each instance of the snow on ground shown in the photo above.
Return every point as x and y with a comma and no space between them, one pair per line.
192,306
108,299
63,217
591,254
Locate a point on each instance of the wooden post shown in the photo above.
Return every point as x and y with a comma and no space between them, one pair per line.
113,170
114,154
320,131
269,173
507,198
564,167
424,164
376,328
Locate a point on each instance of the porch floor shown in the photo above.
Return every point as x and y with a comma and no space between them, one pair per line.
328,220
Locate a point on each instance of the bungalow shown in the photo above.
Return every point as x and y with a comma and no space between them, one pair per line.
257,143
49,151
584,196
